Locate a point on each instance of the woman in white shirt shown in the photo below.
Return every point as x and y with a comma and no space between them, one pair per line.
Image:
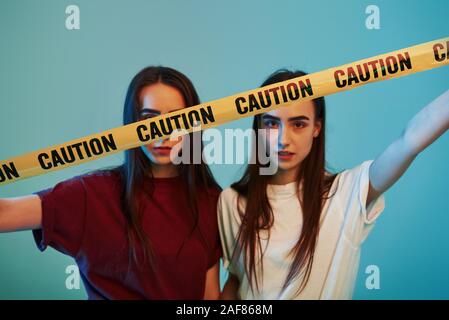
297,234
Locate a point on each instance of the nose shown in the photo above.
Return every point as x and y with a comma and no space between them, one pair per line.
160,142
283,137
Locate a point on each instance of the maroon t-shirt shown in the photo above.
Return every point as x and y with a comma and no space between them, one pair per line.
82,218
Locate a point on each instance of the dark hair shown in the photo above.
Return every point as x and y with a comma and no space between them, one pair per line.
137,166
258,213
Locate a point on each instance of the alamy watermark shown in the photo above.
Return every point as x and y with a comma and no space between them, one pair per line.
234,146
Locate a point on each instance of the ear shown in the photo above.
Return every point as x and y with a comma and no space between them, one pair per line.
317,129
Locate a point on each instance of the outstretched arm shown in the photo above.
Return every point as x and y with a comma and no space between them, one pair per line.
20,213
423,129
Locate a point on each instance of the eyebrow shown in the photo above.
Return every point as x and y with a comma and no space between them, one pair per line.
267,116
149,110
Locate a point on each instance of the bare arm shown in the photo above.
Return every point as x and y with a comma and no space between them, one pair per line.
231,288
212,290
20,213
421,131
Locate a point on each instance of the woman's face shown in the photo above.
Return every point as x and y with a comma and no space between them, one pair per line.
290,133
157,99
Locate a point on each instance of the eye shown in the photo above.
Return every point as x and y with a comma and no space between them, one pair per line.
299,124
270,124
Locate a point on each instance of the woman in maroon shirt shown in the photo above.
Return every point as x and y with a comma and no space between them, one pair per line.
144,230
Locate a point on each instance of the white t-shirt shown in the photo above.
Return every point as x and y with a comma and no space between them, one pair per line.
345,223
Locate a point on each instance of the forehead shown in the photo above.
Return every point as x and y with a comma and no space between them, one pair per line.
294,110
161,97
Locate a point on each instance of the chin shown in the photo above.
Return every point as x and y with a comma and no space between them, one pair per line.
286,167
162,161
158,159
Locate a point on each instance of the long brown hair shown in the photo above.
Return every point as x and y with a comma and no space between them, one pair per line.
137,166
258,214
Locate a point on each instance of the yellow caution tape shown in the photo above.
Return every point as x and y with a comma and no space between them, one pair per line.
210,114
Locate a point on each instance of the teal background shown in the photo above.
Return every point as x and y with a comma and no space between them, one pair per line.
57,85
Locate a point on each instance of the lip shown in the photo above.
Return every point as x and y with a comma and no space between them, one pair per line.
163,151
285,155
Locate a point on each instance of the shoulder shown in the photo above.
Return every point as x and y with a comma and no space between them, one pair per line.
357,168
227,203
100,180
229,215
353,184
214,192
229,197
208,195
228,193
355,174
79,187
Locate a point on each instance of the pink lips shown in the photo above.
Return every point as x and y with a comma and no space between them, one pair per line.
285,155
163,151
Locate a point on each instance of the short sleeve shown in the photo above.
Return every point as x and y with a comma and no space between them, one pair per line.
229,225
63,215
353,192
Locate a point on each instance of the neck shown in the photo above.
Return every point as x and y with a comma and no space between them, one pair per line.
284,176
164,171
